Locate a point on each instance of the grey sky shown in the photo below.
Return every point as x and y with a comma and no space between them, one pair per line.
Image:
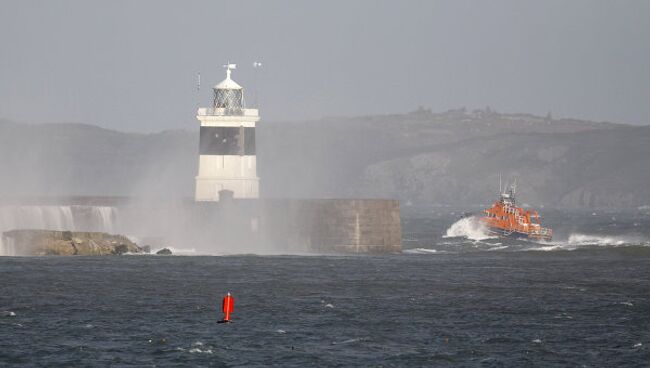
131,65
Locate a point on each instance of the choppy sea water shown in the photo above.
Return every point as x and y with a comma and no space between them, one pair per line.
434,305
453,230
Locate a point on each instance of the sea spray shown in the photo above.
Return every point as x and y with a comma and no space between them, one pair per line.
584,241
469,227
106,215
7,247
604,240
36,217
59,218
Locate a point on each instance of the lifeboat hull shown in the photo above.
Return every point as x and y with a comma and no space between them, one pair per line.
514,234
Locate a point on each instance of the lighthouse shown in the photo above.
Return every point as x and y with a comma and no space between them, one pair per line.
227,144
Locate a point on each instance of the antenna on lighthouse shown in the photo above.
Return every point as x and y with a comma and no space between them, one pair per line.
229,67
198,89
256,65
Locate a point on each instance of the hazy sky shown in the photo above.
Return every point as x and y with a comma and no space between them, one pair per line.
131,65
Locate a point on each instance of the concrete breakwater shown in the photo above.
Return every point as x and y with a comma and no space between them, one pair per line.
232,226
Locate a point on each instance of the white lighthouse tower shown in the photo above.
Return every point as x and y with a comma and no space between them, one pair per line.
227,144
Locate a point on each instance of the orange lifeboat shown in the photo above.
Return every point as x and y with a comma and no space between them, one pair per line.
505,219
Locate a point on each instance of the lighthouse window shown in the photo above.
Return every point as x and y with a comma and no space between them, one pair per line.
227,141
219,141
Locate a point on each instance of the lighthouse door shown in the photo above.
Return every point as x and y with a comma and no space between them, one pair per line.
217,188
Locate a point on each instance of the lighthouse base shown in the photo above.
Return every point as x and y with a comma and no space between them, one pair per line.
211,189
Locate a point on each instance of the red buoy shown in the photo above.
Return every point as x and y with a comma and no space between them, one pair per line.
228,306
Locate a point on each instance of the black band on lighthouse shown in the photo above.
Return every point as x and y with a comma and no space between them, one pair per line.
227,141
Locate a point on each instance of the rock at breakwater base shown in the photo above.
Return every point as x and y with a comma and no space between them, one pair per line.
164,252
68,243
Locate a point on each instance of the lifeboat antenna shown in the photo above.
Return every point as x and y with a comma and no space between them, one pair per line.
513,190
500,184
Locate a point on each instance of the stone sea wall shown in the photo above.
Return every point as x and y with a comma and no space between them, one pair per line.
335,225
234,226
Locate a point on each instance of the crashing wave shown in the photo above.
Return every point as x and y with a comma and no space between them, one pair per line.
468,227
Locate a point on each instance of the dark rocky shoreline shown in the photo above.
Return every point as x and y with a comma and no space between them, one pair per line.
68,243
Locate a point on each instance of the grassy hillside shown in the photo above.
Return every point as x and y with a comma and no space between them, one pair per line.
448,158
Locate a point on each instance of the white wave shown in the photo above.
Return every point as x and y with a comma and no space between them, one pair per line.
200,351
468,227
563,316
348,341
419,251
577,241
199,348
602,240
549,248
498,247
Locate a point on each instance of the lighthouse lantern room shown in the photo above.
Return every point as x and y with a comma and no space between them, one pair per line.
227,144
